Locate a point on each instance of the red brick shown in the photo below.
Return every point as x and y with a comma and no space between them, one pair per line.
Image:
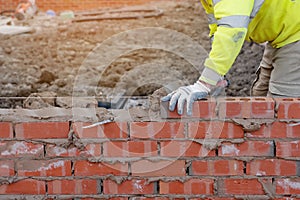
158,168
263,107
7,168
73,187
288,108
27,186
241,107
216,198
288,186
133,186
92,150
57,151
272,167
276,130
242,186
184,149
217,167
44,168
288,149
248,148
214,129
42,130
157,130
204,109
110,130
130,149
190,187
155,198
6,130
234,108
85,168
88,151
110,198
21,149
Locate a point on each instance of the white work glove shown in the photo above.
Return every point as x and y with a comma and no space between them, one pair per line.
188,94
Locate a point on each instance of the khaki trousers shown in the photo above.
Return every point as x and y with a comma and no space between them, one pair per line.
279,72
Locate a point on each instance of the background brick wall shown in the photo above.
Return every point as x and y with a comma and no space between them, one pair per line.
233,148
60,5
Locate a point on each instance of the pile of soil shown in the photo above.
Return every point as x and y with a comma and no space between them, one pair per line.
84,59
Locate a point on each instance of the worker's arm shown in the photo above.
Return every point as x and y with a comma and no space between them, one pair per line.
233,17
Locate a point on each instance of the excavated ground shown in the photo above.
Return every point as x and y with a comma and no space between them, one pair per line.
84,58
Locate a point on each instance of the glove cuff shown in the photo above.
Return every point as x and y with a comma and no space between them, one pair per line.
210,76
202,86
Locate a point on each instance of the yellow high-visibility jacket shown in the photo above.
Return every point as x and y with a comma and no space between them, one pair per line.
232,22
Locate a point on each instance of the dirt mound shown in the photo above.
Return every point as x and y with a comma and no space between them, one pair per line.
72,59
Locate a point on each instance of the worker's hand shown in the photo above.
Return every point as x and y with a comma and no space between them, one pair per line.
188,94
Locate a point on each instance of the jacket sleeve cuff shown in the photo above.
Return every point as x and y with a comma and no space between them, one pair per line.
210,76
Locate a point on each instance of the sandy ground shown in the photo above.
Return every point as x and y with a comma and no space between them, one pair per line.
116,57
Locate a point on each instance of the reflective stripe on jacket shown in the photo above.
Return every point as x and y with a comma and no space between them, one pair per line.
233,21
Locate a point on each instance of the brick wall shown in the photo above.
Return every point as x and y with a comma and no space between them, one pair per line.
59,5
234,148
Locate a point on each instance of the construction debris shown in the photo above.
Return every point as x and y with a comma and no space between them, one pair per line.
26,9
67,15
14,30
5,20
117,14
60,47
